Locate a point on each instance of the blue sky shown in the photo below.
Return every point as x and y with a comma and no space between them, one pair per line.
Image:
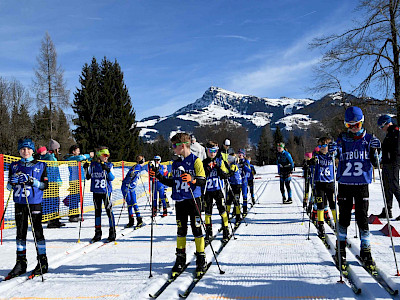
171,51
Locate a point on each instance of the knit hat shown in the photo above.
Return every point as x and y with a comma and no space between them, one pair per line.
383,120
353,114
53,145
308,154
26,142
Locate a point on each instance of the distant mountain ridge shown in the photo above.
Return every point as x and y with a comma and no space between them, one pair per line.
252,112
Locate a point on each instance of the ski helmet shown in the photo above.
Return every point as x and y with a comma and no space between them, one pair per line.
383,120
157,157
353,114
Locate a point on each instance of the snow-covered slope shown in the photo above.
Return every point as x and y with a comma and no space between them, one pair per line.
217,105
271,257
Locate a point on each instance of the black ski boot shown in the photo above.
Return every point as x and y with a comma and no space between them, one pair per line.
131,222
180,262
342,255
41,267
19,268
165,212
327,218
366,257
139,222
209,233
97,236
225,234
111,234
321,230
201,264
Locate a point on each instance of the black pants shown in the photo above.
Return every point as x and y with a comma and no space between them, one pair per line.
325,191
219,198
186,209
234,195
360,195
390,178
98,200
21,220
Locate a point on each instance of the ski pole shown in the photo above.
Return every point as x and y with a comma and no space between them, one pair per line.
33,231
152,221
387,213
311,202
5,209
233,232
109,204
83,199
122,208
337,221
181,168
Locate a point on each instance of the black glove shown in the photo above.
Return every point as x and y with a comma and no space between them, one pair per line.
86,165
105,168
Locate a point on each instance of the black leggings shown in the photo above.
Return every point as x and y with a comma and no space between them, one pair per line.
219,198
22,217
186,209
360,195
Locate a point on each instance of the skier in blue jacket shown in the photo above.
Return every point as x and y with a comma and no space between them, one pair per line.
129,188
27,178
285,169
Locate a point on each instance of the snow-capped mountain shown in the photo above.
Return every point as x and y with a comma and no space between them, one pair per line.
218,104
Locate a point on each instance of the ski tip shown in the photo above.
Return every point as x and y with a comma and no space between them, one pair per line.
182,296
152,296
78,241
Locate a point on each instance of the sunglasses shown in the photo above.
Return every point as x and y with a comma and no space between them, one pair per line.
353,125
383,125
213,150
178,144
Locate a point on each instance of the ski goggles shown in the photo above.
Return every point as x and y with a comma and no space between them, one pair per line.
324,145
103,152
178,144
213,149
351,125
383,125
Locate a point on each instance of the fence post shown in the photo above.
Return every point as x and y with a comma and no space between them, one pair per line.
2,195
80,187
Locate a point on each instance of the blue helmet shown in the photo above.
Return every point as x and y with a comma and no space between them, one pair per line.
383,120
353,114
26,142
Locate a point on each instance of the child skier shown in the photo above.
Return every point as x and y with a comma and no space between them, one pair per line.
250,180
101,174
234,188
28,179
324,184
186,191
285,168
128,189
159,188
357,153
215,172
245,171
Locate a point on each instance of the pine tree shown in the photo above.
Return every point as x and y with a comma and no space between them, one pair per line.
105,113
4,119
264,148
62,132
21,125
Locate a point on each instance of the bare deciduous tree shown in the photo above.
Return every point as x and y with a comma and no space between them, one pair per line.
49,84
372,45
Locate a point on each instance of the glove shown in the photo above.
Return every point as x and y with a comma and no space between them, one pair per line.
14,179
332,147
105,168
186,177
86,165
23,178
375,144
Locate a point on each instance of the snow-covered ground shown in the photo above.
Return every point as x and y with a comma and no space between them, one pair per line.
271,257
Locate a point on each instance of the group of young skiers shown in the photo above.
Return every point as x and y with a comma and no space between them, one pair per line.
195,185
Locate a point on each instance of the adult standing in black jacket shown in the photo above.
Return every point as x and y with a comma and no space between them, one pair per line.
390,163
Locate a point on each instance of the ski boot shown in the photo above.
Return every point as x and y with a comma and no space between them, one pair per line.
289,201
314,216
253,201
41,267
244,211
139,222
327,218
19,268
366,257
225,234
131,222
165,212
201,264
180,262
342,255
111,234
209,233
97,236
